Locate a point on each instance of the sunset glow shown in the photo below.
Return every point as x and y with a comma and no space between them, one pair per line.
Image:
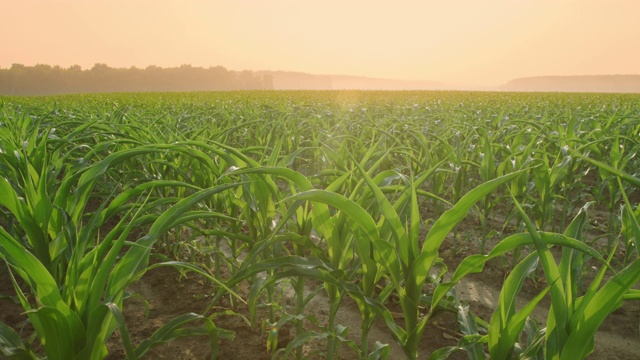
466,41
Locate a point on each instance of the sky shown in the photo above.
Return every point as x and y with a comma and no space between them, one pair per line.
470,42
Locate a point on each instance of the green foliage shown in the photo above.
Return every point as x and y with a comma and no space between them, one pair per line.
359,192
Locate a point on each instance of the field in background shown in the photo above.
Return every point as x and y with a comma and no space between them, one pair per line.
284,211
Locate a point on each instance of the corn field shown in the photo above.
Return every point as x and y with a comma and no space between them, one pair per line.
359,197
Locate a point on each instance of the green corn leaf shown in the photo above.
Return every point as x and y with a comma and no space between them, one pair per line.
58,332
632,294
630,221
631,227
175,329
535,341
119,201
87,180
364,221
115,311
419,270
391,218
39,277
12,346
100,326
559,171
558,315
507,323
579,344
571,263
97,266
475,263
300,340
20,210
469,326
488,165
137,257
466,343
621,174
379,351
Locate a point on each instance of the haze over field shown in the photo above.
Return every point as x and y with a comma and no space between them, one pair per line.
465,43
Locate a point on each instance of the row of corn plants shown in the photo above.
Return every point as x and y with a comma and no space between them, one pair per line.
359,192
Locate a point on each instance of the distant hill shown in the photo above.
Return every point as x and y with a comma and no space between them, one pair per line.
290,80
586,83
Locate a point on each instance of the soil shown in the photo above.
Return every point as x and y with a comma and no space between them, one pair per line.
164,293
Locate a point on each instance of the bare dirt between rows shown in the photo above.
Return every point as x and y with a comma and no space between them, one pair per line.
169,296
163,294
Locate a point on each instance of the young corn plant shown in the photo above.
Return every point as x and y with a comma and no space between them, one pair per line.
488,171
75,321
335,231
613,177
573,319
395,246
76,277
336,255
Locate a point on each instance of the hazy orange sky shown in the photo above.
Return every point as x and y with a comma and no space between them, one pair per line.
470,42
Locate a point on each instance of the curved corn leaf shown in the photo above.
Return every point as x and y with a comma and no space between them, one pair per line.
12,346
579,343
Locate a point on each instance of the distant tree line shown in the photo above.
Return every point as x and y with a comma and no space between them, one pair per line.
46,80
